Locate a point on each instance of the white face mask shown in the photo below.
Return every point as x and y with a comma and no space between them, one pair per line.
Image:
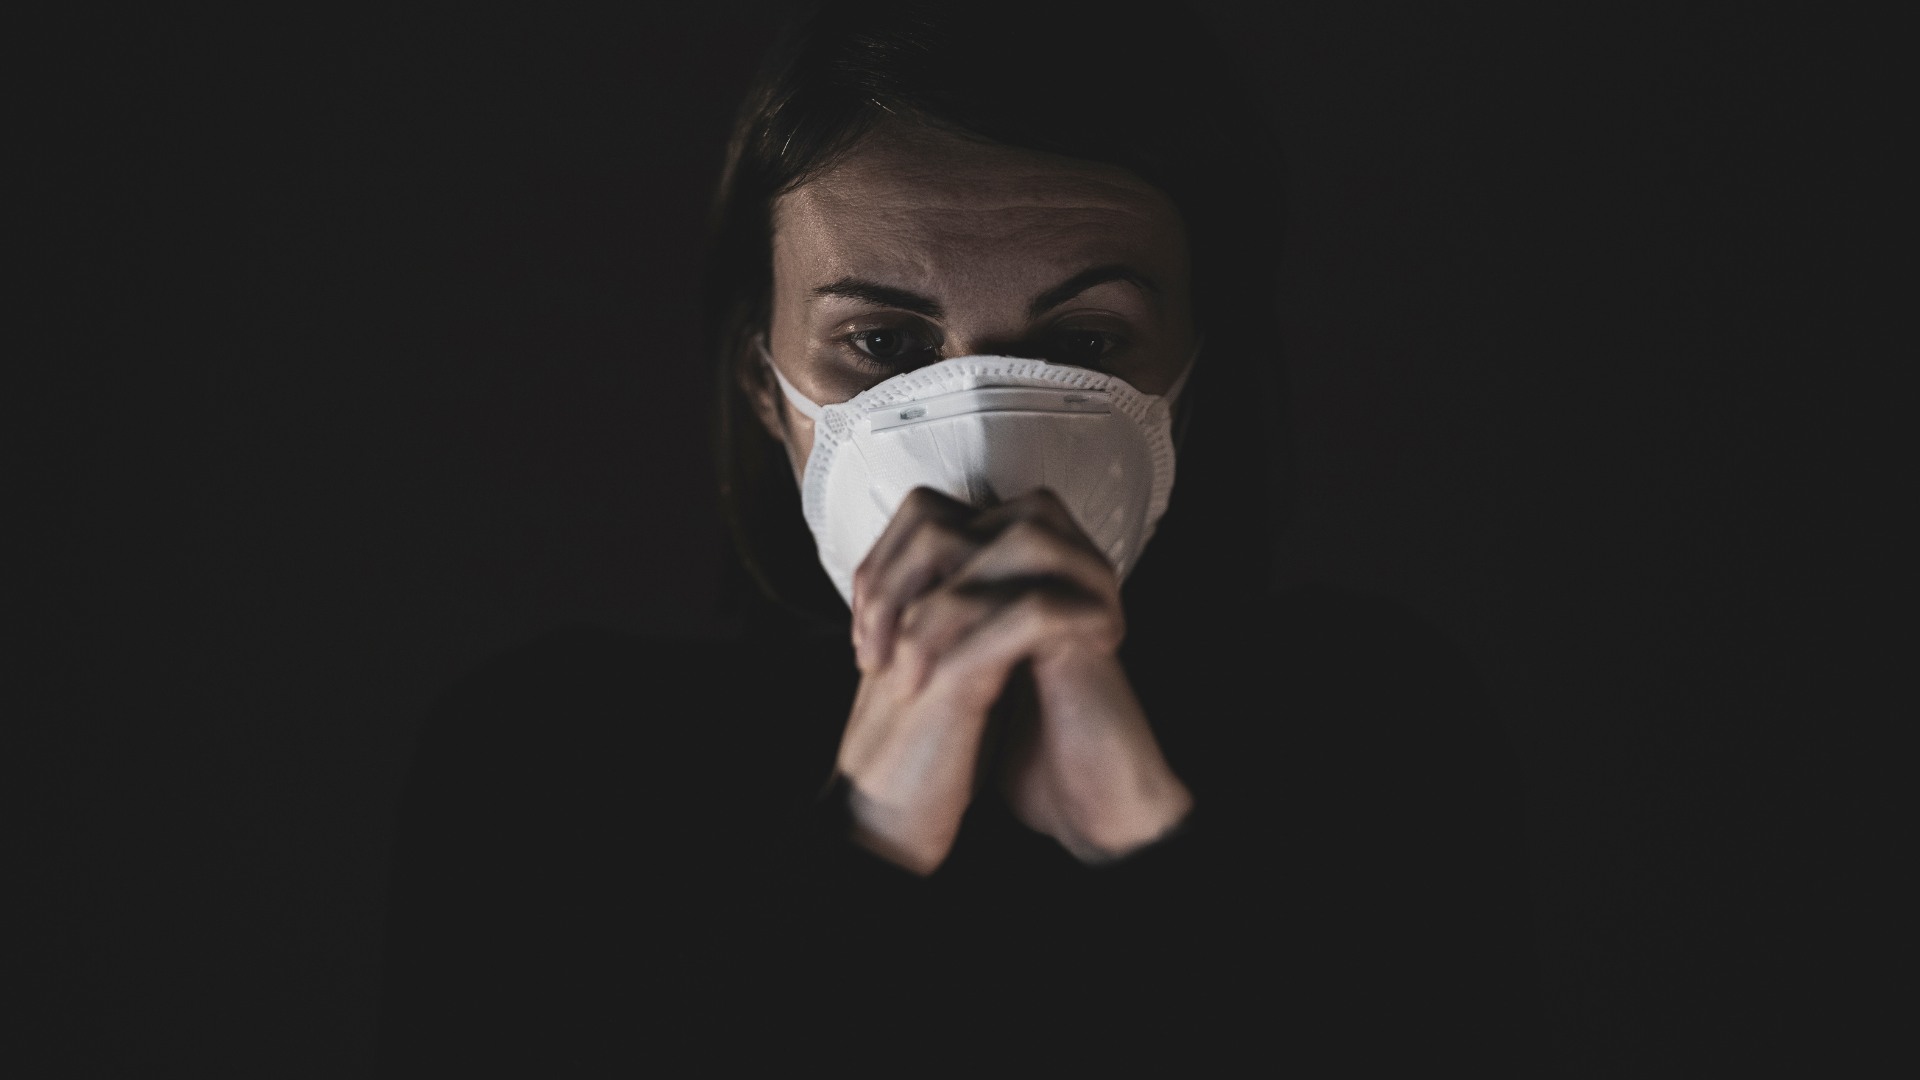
985,430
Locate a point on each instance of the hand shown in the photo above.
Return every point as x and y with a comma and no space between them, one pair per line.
952,602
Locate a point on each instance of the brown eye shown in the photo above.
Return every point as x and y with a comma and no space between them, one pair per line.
890,346
1081,348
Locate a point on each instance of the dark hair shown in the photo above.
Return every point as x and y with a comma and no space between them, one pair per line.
1143,87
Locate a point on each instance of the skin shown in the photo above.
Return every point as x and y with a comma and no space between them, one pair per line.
918,246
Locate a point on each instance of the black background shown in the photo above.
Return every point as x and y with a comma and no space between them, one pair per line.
398,368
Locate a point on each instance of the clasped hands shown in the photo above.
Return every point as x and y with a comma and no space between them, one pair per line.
957,611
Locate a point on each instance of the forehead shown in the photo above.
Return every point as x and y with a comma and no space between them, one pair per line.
918,205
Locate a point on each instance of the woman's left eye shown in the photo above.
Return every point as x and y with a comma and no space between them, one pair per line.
1081,348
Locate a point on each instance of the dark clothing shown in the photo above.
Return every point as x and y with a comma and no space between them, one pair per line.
618,853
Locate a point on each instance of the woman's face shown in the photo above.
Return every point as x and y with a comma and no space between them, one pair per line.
919,246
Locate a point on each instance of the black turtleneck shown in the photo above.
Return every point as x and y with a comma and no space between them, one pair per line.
618,852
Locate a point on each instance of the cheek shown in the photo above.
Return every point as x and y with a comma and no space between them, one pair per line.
800,448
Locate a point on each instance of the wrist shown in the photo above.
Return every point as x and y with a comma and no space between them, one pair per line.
1096,779
896,834
1122,828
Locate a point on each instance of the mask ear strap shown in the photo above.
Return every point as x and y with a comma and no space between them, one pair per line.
1172,396
800,402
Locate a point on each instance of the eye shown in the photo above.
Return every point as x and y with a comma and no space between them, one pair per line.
1081,348
891,346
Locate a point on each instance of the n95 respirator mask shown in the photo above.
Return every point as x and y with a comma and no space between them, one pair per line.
985,430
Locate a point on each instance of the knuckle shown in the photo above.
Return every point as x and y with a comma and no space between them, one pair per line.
912,620
867,575
941,547
1048,608
1020,534
1027,529
1040,538
1071,612
910,650
1049,506
924,501
913,649
932,536
1099,568
866,630
920,619
1048,511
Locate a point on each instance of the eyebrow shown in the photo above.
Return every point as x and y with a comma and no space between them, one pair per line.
887,296
1087,279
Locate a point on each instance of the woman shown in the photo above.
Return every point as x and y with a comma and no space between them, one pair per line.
1018,760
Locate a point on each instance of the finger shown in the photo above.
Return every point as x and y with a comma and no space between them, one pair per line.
928,556
897,742
931,626
1045,619
1029,549
1039,507
921,506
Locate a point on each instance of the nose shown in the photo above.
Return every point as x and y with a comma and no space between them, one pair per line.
994,345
